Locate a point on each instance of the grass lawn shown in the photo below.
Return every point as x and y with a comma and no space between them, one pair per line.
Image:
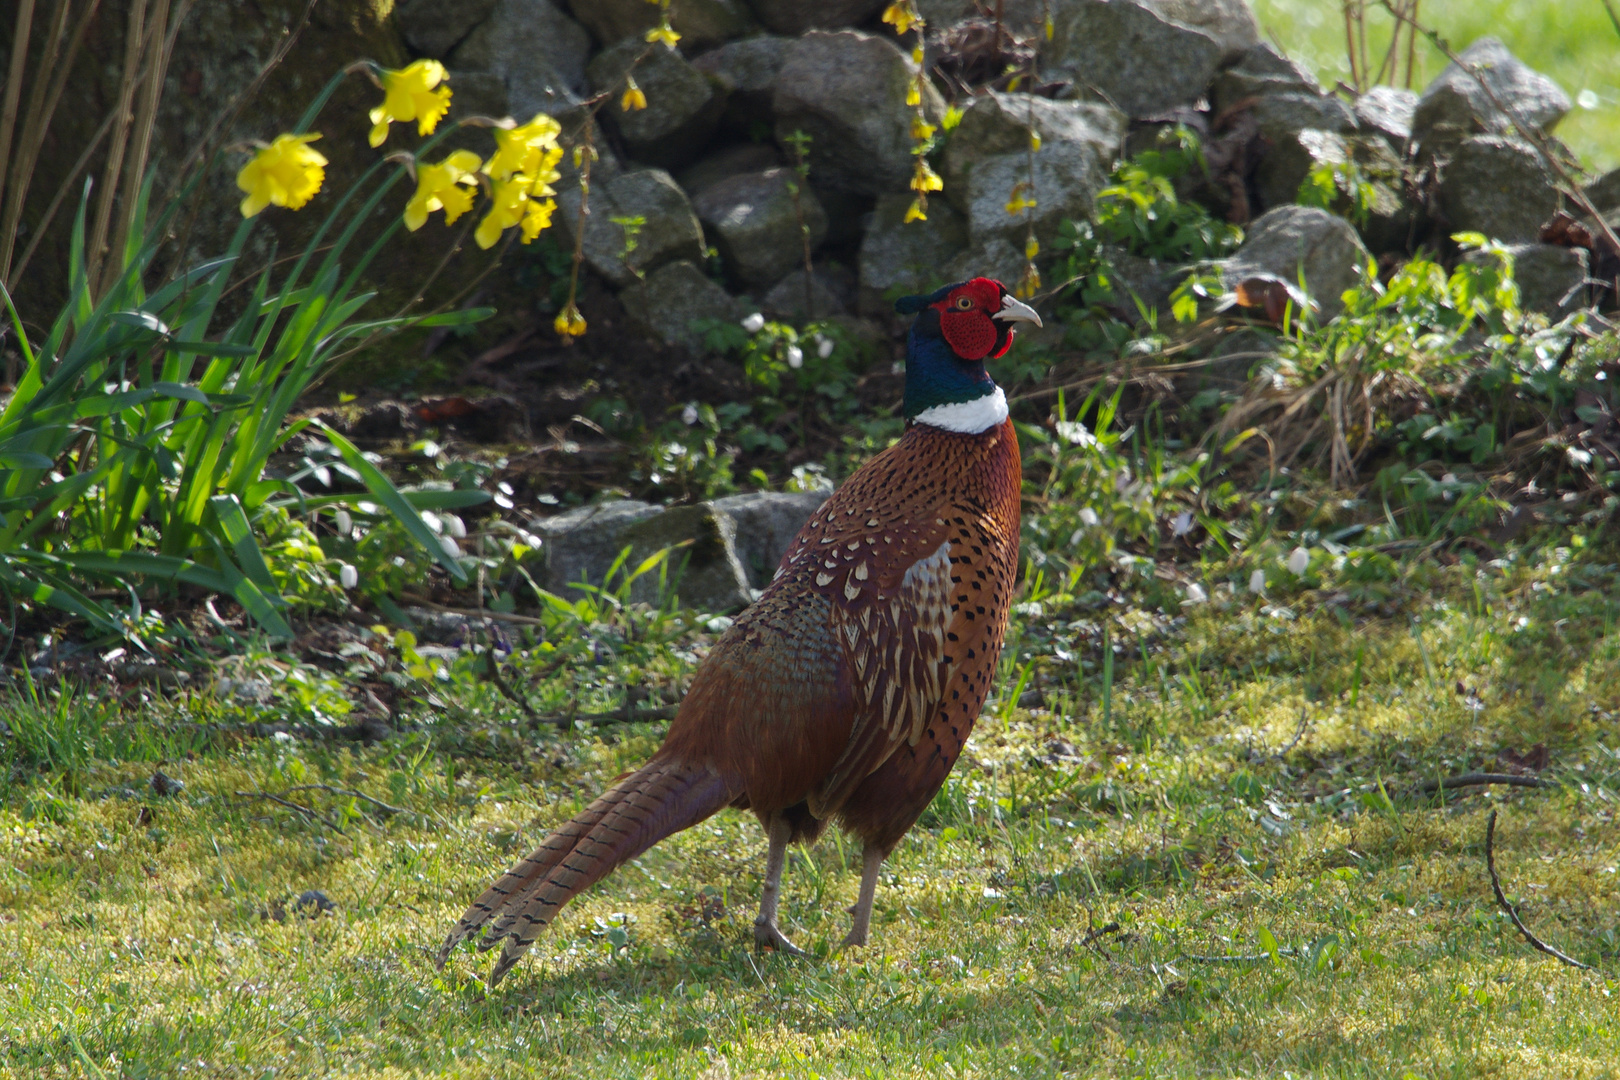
1572,41
1207,857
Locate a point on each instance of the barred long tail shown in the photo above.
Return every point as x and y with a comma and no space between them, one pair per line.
660,798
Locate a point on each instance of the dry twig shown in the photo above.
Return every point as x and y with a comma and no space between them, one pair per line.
1502,900
506,688
1477,779
298,808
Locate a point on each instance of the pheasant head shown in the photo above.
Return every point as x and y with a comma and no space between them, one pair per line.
956,330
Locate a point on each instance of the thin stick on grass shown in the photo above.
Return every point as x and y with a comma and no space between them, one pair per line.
622,715
506,688
298,808
1480,779
330,790
1502,901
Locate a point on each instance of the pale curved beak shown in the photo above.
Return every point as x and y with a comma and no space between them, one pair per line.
1015,310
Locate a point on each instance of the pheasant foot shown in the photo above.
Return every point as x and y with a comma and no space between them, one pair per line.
768,936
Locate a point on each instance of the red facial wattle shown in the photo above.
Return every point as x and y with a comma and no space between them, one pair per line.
970,334
965,321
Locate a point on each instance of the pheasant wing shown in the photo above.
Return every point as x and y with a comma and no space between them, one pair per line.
895,654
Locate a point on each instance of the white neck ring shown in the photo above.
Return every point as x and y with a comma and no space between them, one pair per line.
968,417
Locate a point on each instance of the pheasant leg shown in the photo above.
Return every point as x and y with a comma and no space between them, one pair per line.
871,863
766,933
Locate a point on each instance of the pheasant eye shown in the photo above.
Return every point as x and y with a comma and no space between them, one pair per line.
964,302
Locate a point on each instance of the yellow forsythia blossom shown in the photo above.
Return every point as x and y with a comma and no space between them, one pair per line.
1032,248
1029,284
665,33
569,322
901,16
921,129
915,212
1020,200
520,149
285,173
633,100
411,93
925,178
443,187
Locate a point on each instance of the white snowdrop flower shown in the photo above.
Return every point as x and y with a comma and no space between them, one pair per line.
345,523
795,356
1182,523
1298,561
689,415
455,526
754,323
824,346
451,548
432,521
1089,517
349,576
1196,594
1257,581
1588,99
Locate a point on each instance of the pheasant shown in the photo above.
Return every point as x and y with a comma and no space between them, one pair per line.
849,688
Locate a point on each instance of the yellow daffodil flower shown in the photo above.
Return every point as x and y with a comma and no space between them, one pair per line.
916,212
665,33
507,200
411,95
925,178
287,173
519,150
569,323
443,187
901,15
633,100
545,173
537,217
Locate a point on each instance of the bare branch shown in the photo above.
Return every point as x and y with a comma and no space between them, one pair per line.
1478,779
1502,900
